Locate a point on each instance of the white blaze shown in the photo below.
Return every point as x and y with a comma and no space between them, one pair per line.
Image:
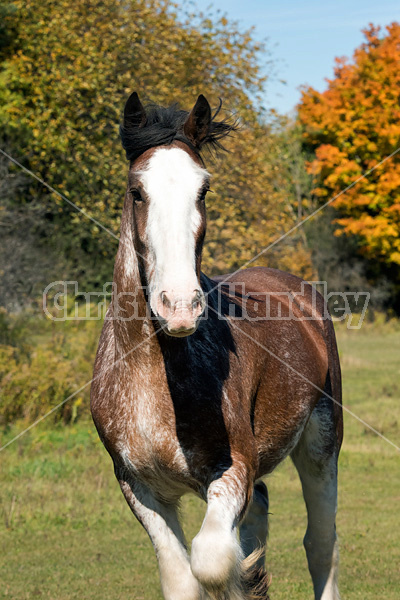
172,181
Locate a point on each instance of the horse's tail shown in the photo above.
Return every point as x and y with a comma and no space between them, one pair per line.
333,385
255,580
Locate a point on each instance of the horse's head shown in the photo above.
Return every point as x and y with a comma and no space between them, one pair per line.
167,185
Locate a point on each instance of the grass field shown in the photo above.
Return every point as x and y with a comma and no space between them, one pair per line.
66,532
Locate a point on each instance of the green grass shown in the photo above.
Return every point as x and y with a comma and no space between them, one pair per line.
66,532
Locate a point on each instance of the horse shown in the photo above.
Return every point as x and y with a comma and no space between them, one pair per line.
205,385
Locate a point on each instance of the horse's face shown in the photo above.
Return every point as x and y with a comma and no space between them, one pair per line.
167,186
168,189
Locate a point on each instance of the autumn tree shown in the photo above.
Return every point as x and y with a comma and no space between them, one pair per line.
353,127
65,76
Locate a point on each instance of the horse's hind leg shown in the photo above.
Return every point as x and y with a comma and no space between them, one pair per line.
315,458
162,525
254,527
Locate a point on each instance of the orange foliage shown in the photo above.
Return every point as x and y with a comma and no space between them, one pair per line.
352,127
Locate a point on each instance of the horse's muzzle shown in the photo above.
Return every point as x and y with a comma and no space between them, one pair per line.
179,314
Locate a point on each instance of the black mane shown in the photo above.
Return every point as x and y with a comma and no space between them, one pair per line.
165,125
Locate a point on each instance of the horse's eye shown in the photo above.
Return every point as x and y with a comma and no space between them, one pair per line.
136,196
202,195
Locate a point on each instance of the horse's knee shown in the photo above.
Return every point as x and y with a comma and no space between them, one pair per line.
215,555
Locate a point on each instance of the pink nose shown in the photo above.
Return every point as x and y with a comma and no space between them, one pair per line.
180,312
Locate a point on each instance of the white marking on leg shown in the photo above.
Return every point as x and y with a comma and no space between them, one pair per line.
216,555
163,527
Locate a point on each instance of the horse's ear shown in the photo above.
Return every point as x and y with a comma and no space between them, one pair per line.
197,125
134,113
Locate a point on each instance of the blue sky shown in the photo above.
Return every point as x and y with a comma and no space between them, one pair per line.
304,36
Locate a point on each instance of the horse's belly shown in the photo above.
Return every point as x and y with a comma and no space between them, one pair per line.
274,447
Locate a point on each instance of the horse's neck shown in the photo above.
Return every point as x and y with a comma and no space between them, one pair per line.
130,312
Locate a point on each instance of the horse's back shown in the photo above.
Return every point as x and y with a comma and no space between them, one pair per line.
277,285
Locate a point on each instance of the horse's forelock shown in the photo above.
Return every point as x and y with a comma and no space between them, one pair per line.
165,125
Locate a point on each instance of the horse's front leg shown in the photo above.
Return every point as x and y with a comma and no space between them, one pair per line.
216,556
254,527
162,525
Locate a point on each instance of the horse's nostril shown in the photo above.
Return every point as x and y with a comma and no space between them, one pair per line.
165,300
197,299
172,302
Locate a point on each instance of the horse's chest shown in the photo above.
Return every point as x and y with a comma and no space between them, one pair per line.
148,443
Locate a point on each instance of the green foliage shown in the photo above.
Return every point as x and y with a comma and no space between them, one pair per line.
41,364
8,29
62,90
